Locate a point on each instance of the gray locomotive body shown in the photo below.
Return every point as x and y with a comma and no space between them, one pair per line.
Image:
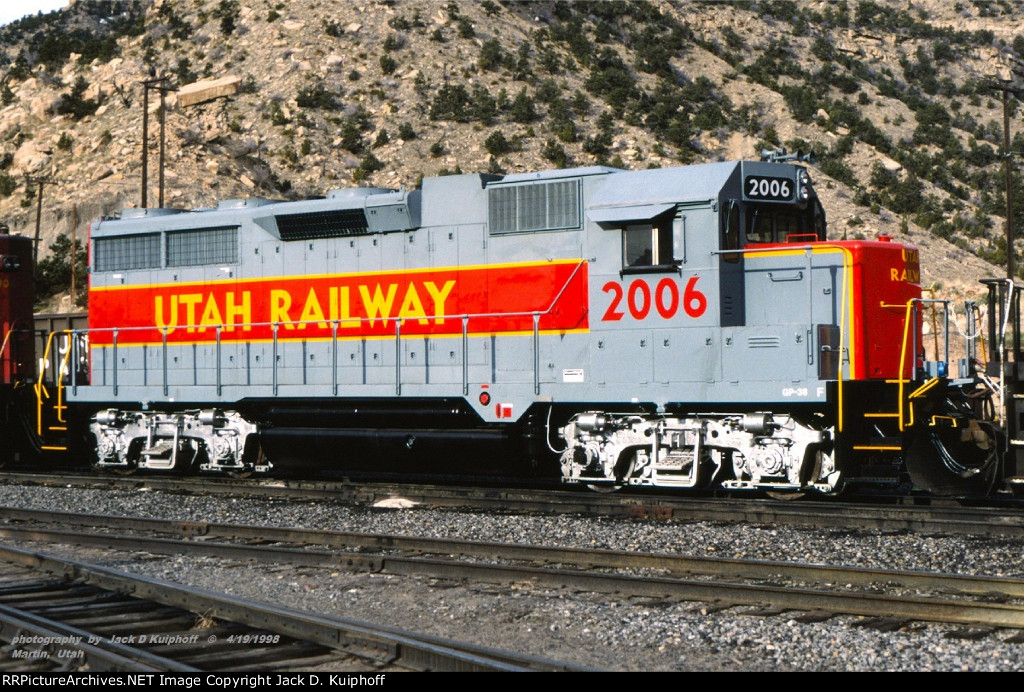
683,327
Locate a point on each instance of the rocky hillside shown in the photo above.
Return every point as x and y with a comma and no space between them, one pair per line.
897,101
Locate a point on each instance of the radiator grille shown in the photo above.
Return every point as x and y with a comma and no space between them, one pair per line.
534,207
127,252
322,224
202,246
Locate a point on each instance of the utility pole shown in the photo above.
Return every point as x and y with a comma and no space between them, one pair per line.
163,138
1006,90
39,212
145,144
1009,187
152,83
74,222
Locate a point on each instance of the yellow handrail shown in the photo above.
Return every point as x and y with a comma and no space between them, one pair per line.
59,407
903,358
39,387
7,338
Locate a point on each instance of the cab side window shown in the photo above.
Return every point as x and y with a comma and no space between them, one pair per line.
638,245
647,245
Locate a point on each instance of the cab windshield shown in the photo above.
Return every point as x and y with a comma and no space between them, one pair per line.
773,223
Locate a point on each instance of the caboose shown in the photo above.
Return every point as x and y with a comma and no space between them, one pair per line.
681,327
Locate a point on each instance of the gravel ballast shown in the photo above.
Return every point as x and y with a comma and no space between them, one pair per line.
595,630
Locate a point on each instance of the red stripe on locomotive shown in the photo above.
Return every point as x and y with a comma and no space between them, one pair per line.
498,299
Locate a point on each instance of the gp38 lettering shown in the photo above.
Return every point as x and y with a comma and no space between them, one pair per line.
638,298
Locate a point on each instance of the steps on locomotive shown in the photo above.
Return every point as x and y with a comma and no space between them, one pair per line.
878,443
879,430
161,450
49,430
51,421
881,461
881,444
161,455
1013,461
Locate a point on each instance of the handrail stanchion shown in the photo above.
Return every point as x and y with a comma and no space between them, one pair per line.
274,359
913,341
398,357
945,336
73,347
334,357
465,355
164,339
536,353
219,383
115,362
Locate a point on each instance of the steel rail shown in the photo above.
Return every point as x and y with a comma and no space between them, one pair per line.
85,626
832,600
105,656
670,562
957,520
409,649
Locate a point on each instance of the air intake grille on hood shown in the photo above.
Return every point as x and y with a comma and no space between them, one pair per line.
322,224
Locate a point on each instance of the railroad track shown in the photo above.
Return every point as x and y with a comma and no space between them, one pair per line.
942,517
105,619
52,624
816,591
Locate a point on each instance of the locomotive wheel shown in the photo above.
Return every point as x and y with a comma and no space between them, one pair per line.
784,496
811,471
623,469
252,449
605,489
120,470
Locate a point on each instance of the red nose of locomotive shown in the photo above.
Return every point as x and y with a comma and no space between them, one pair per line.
885,281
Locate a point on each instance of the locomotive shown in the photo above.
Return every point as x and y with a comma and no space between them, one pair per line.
688,327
